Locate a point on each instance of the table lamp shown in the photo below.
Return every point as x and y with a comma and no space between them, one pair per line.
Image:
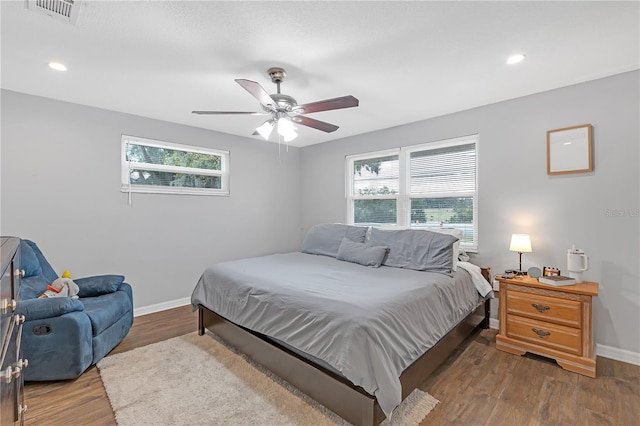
522,244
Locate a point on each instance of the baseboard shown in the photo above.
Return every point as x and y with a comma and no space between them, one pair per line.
161,306
494,323
618,354
604,351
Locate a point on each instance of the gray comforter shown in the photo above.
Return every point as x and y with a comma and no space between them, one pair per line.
368,324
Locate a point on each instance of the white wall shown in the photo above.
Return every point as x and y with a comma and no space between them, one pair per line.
598,211
60,181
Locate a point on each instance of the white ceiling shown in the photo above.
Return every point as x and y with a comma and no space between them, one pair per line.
404,61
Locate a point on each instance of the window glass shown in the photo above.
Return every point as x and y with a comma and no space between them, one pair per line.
164,167
432,185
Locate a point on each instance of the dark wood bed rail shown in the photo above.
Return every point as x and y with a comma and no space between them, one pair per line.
331,390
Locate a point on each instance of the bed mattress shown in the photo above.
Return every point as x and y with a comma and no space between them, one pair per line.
368,324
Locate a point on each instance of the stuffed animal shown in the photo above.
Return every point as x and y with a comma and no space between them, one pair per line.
62,287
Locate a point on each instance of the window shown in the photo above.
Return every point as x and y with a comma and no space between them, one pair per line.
427,186
376,185
163,167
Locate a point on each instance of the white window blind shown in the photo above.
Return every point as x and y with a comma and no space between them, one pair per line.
162,167
443,188
426,186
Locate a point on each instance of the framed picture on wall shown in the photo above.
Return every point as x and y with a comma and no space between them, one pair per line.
570,150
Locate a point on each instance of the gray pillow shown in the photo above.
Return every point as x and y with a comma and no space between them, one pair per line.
420,250
325,239
361,253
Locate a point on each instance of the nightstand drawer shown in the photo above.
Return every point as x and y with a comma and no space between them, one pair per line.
545,308
554,336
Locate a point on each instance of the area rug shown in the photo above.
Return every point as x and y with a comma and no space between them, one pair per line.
198,380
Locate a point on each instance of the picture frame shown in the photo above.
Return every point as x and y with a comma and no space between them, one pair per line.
550,271
570,150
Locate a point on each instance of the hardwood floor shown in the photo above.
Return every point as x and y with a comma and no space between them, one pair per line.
478,385
84,401
484,386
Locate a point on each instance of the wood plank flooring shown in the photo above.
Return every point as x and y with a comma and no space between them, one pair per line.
478,385
84,401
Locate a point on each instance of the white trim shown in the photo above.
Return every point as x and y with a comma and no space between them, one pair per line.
145,310
618,354
374,154
442,143
126,166
494,323
151,189
172,145
404,196
604,351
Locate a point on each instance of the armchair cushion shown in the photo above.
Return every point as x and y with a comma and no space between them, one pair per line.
35,309
47,269
98,285
29,260
105,310
33,287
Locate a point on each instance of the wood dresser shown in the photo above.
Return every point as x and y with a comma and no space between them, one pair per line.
11,381
555,322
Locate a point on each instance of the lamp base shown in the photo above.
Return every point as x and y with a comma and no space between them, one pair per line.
520,272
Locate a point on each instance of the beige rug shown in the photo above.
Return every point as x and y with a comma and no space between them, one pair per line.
197,380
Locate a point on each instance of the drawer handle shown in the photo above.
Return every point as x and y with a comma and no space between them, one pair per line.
7,305
7,375
541,333
17,371
541,308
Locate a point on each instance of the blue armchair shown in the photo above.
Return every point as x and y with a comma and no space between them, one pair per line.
62,336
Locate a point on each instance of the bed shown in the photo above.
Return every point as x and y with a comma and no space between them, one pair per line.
357,319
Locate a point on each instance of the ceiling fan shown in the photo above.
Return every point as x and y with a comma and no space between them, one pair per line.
284,109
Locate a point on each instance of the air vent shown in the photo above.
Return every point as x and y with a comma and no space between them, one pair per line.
64,10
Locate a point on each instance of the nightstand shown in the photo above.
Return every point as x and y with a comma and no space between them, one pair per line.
555,322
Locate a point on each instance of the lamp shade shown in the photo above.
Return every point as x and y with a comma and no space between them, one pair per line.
520,243
265,129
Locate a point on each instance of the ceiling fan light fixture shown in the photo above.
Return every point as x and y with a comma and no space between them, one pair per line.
286,129
284,110
284,125
265,129
291,135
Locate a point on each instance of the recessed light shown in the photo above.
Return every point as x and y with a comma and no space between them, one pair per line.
57,66
515,59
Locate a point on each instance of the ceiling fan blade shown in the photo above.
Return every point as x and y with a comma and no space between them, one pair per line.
228,112
328,104
257,92
316,124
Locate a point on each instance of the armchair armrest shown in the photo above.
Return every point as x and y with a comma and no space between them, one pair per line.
98,285
35,309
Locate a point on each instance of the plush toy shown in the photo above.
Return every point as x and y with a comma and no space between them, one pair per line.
62,287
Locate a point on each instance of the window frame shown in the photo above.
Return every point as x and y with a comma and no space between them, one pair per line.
126,166
404,196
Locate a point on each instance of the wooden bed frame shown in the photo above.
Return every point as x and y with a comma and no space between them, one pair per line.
329,389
